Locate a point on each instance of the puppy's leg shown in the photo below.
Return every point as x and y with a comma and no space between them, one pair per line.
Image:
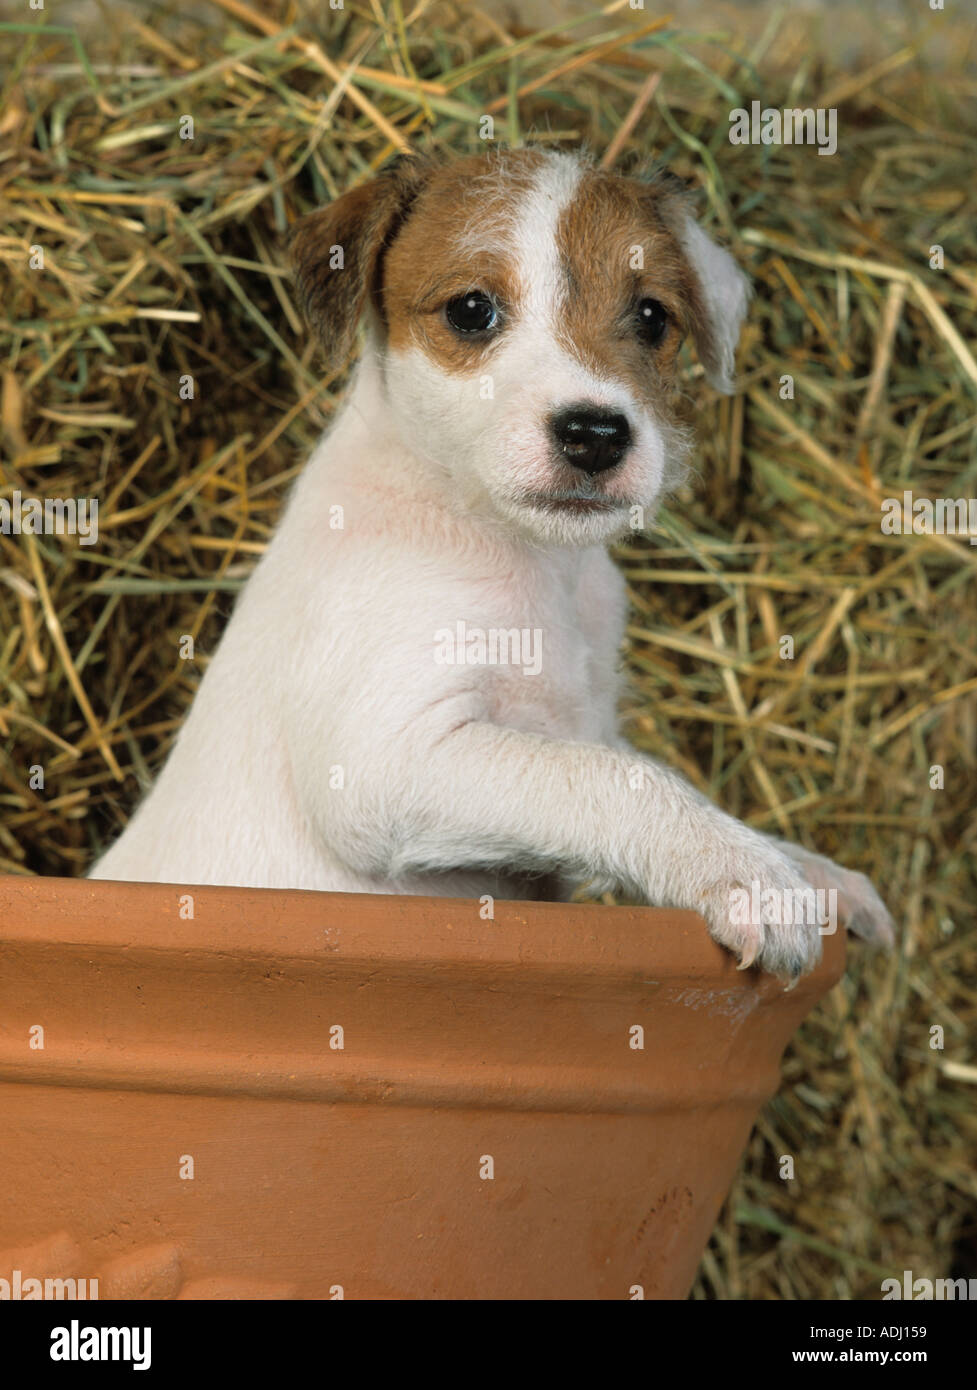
480,794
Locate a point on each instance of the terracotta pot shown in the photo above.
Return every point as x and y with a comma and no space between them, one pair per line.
470,1048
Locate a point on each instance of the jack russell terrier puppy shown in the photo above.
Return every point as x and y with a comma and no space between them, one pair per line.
362,726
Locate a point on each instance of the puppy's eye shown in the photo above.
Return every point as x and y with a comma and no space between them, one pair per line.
473,312
652,321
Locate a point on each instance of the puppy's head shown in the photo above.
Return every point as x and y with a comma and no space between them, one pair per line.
527,311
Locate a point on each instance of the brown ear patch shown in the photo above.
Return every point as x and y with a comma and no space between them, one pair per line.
616,247
462,239
337,252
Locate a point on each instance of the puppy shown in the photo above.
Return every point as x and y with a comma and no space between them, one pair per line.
418,690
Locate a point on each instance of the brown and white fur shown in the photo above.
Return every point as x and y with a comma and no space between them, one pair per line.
327,748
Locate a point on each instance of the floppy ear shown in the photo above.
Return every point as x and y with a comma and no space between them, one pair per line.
337,252
723,290
725,293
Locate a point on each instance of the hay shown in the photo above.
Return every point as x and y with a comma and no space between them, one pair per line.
162,262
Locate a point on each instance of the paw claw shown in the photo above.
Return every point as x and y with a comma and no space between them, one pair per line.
749,912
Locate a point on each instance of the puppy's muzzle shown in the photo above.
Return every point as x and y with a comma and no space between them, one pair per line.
591,438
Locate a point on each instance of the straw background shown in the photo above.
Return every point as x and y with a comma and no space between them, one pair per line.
162,260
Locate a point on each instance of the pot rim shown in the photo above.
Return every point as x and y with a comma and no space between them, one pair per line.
290,924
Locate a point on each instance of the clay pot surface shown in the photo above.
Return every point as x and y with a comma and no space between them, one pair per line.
488,1128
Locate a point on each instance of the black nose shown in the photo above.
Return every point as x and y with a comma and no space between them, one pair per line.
590,437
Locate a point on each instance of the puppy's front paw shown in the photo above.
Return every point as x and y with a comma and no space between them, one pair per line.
859,907
764,910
